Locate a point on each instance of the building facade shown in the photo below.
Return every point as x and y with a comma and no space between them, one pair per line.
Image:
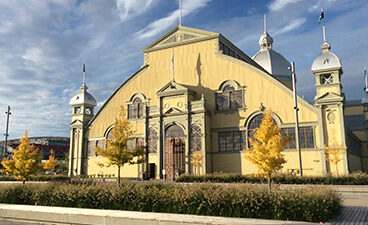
60,146
196,91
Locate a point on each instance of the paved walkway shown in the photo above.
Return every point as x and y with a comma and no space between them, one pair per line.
354,210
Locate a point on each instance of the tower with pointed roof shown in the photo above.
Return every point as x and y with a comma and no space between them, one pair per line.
83,104
329,101
272,61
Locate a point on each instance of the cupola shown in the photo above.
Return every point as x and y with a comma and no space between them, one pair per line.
83,102
272,61
326,60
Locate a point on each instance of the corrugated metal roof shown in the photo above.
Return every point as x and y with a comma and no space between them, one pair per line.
355,122
356,102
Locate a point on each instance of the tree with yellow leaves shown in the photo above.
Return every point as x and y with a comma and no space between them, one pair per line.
116,150
196,159
267,147
24,162
333,153
51,163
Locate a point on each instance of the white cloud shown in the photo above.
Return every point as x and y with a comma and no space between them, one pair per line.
34,54
44,43
294,24
129,8
320,4
156,27
6,26
277,5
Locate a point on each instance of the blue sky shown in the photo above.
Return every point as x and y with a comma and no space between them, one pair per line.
43,45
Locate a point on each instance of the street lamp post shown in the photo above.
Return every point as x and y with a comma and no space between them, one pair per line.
297,143
8,113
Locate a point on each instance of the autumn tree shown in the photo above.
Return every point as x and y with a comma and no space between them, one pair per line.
196,159
117,152
24,161
334,153
51,163
267,147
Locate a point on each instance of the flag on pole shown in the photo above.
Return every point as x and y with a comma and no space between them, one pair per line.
84,67
321,16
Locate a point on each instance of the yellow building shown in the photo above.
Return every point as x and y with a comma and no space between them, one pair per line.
196,91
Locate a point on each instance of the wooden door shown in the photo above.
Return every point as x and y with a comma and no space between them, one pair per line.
174,152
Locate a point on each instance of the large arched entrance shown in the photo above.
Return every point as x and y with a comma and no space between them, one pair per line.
174,151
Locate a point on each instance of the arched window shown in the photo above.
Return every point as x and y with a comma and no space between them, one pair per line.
152,141
229,98
255,122
253,125
109,135
195,139
174,131
135,109
135,142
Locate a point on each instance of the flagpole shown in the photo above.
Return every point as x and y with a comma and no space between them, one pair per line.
180,12
84,74
365,79
323,26
172,65
265,23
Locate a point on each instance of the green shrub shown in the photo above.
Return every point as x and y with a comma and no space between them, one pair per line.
38,178
308,204
357,178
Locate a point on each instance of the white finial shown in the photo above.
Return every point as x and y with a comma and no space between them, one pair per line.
180,12
265,23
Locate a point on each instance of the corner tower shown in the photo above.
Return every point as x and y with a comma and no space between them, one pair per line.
83,105
329,101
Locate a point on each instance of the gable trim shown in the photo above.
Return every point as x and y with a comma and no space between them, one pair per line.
207,36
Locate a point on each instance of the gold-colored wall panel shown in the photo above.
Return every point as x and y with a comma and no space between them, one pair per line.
130,171
202,70
354,110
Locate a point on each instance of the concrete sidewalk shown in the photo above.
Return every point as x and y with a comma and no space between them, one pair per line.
62,215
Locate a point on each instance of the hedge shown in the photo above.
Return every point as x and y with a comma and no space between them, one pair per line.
38,178
358,178
249,201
